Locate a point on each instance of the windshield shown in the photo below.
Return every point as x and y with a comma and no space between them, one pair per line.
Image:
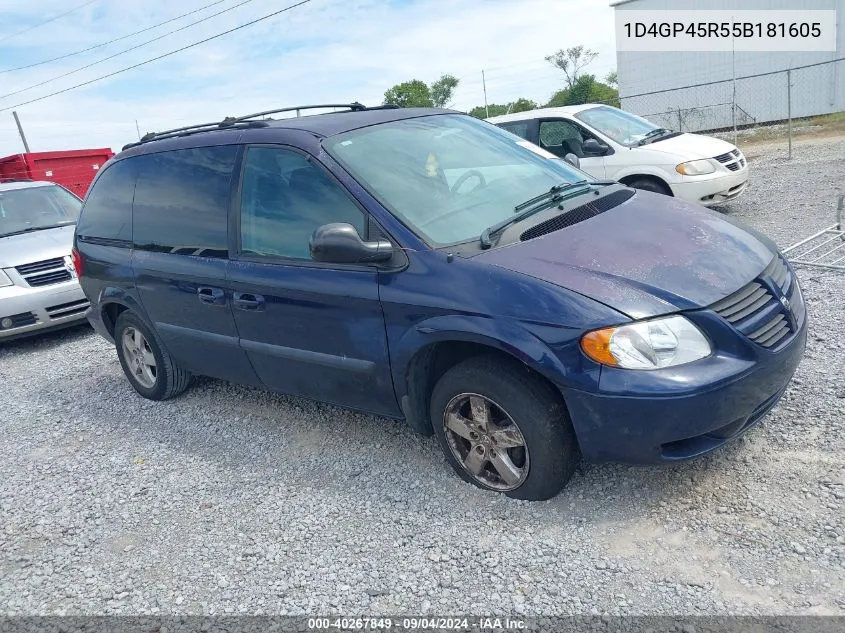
448,177
623,127
34,208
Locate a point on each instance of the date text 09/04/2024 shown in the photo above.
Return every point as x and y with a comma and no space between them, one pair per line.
417,624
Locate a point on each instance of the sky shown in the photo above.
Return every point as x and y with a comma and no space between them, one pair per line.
325,51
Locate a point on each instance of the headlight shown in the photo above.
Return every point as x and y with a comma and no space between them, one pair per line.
4,279
696,167
652,344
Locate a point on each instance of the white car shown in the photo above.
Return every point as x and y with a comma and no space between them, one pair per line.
39,289
612,144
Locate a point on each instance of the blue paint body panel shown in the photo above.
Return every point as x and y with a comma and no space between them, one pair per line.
348,335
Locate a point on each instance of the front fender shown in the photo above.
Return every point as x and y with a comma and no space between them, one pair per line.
505,335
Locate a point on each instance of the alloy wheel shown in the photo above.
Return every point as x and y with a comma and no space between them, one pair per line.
486,441
139,357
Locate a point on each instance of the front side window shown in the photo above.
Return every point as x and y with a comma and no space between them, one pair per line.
182,201
284,198
562,138
623,127
448,177
37,208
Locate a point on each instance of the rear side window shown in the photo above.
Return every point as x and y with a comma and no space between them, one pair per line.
520,129
182,201
107,212
285,197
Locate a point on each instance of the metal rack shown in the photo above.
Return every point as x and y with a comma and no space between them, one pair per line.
825,249
248,120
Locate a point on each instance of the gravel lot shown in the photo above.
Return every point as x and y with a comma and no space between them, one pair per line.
231,500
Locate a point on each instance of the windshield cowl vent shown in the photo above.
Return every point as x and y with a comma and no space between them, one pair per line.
578,214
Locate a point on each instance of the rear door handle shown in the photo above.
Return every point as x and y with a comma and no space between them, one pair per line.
248,301
211,296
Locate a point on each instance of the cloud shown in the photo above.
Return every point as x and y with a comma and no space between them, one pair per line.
324,51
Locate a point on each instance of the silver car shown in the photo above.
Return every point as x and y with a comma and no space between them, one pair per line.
39,289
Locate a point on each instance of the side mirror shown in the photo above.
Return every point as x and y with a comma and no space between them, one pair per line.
339,243
592,147
572,159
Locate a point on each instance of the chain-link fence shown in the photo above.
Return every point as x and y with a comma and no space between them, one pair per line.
749,102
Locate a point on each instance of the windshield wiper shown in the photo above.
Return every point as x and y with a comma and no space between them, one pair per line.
658,132
30,229
528,208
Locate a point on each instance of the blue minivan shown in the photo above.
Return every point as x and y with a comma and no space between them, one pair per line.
424,265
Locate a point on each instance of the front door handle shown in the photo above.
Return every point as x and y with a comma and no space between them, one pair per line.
211,296
248,301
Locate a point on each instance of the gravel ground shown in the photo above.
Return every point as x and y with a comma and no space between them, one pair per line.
231,500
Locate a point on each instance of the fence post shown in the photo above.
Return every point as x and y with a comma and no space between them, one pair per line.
789,109
680,122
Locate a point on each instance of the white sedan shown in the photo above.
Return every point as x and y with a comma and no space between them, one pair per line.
610,143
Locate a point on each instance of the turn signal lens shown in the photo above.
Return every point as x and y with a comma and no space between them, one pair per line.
596,345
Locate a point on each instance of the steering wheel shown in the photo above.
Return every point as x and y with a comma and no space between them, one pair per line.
482,182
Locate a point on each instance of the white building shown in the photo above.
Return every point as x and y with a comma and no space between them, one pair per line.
737,98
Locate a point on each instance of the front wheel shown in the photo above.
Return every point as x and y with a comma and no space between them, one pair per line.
650,184
503,428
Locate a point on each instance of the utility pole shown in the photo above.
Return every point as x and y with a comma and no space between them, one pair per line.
138,129
484,82
20,130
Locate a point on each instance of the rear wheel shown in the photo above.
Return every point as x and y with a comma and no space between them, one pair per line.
150,369
503,428
650,184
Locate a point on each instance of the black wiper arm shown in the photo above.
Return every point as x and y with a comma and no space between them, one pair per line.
528,208
658,132
27,230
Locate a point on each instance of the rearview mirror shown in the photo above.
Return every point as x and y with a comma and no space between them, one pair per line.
592,147
572,159
339,243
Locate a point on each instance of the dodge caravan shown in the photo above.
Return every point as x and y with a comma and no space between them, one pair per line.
424,265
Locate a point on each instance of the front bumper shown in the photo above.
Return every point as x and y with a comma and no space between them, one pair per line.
683,413
34,310
717,188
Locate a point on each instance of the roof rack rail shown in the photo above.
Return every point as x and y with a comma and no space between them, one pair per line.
248,120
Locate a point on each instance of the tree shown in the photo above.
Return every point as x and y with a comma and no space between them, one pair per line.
442,90
585,90
410,94
418,94
496,109
611,79
572,61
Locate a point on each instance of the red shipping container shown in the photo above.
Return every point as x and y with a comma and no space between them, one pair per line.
73,169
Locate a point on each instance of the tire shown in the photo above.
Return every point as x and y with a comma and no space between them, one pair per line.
511,396
649,184
160,382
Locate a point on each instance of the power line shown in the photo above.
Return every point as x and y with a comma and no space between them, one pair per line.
131,48
47,21
117,39
153,59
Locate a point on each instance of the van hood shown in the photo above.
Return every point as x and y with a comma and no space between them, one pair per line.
649,256
36,246
691,146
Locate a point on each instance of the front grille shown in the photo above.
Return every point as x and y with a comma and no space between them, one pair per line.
44,273
67,309
757,310
729,160
20,320
578,214
39,267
